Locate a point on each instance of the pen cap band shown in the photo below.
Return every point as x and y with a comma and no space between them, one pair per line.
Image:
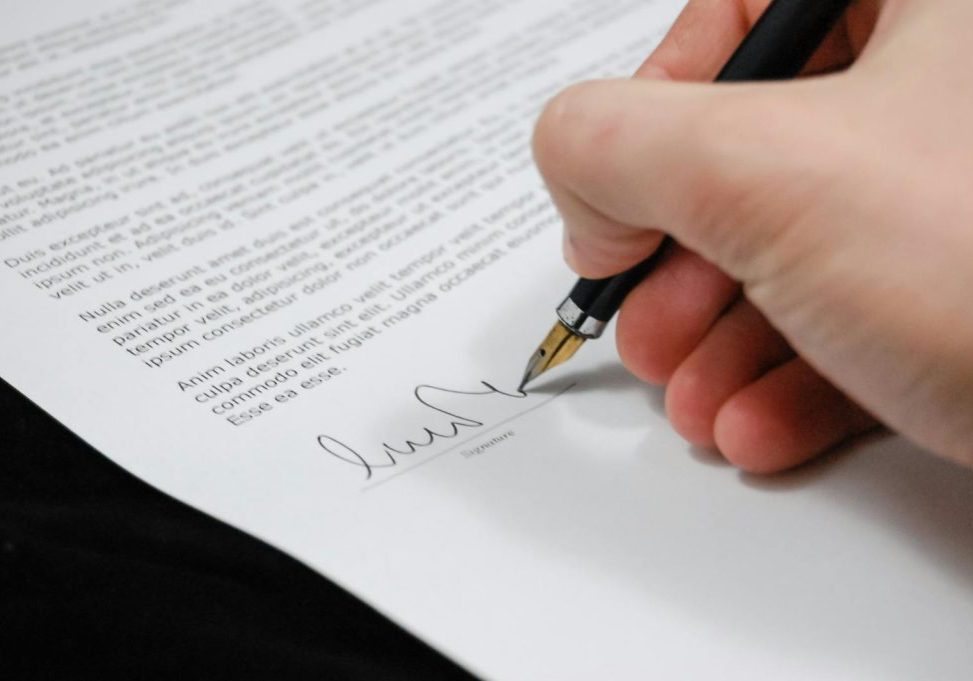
580,323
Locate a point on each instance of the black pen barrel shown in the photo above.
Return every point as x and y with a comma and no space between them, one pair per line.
601,298
783,40
777,47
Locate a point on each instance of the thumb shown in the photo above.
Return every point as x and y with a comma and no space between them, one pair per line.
725,169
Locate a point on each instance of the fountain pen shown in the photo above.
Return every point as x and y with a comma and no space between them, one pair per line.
777,47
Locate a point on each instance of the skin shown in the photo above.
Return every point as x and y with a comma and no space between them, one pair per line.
823,283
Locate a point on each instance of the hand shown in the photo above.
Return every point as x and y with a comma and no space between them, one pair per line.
824,279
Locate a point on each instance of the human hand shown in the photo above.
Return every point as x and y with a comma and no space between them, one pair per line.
824,279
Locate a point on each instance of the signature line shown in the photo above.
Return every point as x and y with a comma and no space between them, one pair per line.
477,436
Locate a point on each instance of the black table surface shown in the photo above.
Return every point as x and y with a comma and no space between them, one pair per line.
102,576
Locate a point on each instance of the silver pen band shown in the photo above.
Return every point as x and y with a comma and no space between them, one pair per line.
578,321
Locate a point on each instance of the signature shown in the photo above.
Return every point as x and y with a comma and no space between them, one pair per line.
388,455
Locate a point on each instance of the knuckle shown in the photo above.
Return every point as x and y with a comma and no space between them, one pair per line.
550,133
571,130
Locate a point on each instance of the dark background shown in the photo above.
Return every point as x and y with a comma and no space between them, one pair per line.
102,576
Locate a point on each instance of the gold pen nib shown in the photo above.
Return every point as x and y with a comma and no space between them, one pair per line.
559,346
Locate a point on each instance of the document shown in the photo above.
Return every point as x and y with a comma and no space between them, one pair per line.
285,261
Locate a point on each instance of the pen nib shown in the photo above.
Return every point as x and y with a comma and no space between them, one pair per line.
559,346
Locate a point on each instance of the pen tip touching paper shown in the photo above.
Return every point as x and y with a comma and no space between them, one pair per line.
559,346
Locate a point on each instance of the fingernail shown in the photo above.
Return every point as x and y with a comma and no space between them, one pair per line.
569,250
653,72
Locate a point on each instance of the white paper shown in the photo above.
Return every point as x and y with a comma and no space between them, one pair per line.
347,185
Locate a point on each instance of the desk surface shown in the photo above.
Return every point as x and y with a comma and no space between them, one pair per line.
110,577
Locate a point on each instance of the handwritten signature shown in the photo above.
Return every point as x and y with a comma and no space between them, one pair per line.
387,455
